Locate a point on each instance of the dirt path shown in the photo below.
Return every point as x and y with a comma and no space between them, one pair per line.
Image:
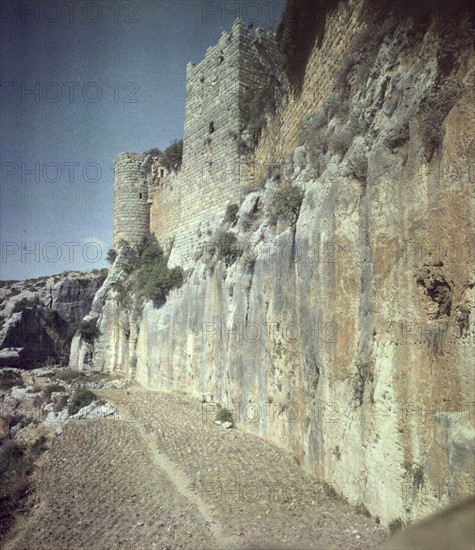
158,476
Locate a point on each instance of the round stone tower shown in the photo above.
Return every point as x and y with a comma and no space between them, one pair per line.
131,209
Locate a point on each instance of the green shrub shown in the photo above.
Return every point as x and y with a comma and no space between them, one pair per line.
35,389
15,467
149,277
395,526
231,213
329,490
89,330
70,375
227,247
25,303
52,388
224,415
173,156
111,255
9,378
285,204
154,152
81,398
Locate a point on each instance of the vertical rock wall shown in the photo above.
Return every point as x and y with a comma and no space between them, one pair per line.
349,341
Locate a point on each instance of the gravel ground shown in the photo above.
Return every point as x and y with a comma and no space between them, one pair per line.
157,476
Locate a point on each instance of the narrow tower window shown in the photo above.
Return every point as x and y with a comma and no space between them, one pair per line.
211,127
140,196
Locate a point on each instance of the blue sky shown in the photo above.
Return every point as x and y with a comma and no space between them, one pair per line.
81,82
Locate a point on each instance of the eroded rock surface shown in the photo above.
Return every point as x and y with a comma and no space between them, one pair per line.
348,338
39,317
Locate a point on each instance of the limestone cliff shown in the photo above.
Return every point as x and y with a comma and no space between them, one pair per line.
38,317
348,337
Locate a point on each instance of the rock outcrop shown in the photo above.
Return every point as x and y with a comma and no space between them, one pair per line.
348,336
39,317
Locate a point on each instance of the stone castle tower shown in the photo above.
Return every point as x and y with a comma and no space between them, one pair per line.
180,206
131,210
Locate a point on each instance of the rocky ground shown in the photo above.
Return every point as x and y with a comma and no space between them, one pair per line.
160,473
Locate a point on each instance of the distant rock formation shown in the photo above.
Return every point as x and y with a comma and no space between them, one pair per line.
39,317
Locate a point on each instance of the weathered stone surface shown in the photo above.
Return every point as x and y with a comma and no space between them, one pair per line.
94,411
10,357
349,340
39,317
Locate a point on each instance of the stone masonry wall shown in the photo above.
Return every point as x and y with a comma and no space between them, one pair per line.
165,201
369,331
131,218
281,135
195,200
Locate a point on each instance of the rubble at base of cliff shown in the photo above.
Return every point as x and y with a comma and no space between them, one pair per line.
41,400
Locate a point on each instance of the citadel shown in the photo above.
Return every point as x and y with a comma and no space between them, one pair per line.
180,206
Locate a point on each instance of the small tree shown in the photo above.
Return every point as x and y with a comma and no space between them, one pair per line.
154,152
285,204
148,276
173,156
227,247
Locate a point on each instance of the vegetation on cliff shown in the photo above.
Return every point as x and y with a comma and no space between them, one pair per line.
148,276
172,157
285,204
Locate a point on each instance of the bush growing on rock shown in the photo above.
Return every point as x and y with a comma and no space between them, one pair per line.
224,415
15,467
227,247
285,204
9,378
231,213
70,375
89,330
81,398
171,158
173,155
25,303
149,277
111,255
53,388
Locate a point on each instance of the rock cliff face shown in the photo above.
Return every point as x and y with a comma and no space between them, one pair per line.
39,317
348,338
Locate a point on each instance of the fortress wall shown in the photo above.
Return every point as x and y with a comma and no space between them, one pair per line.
131,220
165,198
210,178
281,135
211,146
